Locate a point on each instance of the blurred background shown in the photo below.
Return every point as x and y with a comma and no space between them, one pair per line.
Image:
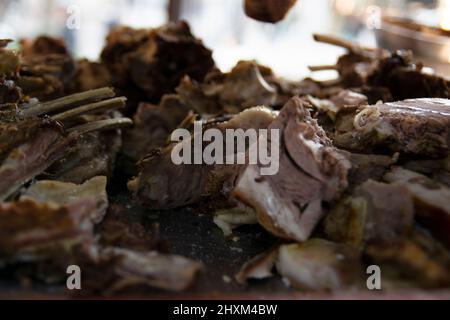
287,47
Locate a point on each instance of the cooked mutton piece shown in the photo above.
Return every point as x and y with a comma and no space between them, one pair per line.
148,62
163,185
383,69
268,10
311,171
318,264
375,212
63,193
415,126
437,169
413,261
243,87
42,141
46,68
119,269
431,199
33,231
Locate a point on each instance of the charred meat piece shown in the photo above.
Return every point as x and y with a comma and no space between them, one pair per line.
415,126
375,211
163,185
150,60
311,171
431,199
320,265
268,10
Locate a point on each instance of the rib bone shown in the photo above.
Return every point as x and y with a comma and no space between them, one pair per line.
110,104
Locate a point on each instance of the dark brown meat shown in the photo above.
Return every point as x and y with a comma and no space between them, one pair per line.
268,10
411,262
150,60
378,68
416,126
311,171
375,212
163,185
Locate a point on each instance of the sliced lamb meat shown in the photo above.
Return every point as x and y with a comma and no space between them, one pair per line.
150,60
415,126
63,193
320,265
162,184
268,10
311,171
431,199
414,261
375,212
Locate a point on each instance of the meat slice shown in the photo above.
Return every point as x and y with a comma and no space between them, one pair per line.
63,193
320,265
163,185
414,126
33,231
118,269
149,63
375,212
268,10
431,199
259,267
311,171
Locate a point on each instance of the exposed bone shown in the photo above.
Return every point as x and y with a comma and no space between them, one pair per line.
337,42
322,67
330,83
69,101
110,104
109,124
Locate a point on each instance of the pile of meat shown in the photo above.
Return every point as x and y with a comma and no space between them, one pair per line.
363,173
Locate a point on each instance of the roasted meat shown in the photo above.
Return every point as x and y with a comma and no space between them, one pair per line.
268,10
149,63
43,140
311,171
